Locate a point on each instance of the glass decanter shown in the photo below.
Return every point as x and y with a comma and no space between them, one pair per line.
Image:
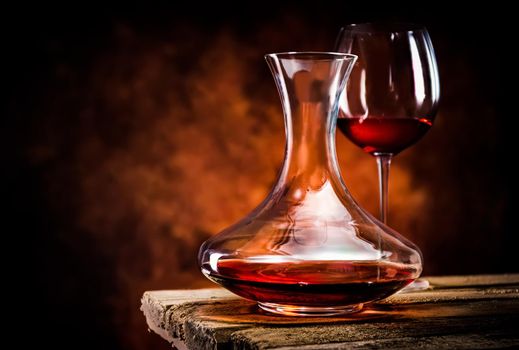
309,249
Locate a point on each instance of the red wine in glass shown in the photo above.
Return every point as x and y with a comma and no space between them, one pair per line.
383,135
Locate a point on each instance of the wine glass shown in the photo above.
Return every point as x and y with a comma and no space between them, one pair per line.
392,95
393,91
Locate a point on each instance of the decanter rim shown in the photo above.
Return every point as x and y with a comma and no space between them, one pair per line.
313,55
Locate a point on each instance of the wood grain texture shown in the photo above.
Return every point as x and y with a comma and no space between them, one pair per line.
476,312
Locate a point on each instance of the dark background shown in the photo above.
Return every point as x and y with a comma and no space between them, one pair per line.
134,132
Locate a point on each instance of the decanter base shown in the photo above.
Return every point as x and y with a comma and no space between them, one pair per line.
309,311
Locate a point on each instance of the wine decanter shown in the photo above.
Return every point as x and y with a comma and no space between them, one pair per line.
309,249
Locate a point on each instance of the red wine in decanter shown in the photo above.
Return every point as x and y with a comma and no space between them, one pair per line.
312,283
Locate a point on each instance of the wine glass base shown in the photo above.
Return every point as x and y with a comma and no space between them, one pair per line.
416,285
309,311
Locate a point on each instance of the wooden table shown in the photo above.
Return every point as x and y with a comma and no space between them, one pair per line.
456,312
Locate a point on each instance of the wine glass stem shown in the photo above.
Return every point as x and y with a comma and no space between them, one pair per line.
383,162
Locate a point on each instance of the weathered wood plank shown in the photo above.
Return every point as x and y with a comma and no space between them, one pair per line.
457,341
262,338
480,306
166,310
437,282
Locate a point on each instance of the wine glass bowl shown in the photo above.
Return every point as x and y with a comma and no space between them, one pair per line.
384,135
393,92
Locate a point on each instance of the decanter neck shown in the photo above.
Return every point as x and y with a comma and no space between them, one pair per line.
309,86
310,153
